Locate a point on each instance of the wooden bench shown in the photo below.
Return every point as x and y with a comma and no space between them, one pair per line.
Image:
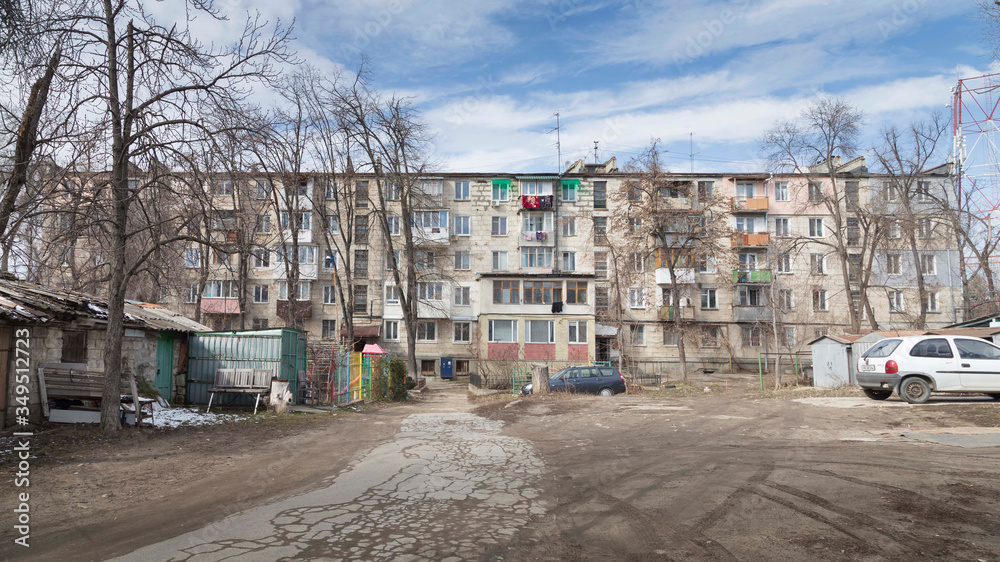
59,382
241,381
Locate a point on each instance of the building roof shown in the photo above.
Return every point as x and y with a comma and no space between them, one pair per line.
36,304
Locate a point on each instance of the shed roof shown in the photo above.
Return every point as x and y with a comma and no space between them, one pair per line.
971,332
37,304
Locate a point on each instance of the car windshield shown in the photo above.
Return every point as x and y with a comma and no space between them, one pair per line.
883,348
560,374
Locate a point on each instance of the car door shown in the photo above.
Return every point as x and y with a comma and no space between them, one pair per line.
572,377
559,381
589,380
934,357
979,365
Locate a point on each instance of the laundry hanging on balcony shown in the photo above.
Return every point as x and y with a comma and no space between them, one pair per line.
545,202
540,235
530,201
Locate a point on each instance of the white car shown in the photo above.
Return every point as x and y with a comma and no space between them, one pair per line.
915,366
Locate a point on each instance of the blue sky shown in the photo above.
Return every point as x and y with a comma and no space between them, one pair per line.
490,74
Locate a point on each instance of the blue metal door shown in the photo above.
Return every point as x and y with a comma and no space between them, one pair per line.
446,369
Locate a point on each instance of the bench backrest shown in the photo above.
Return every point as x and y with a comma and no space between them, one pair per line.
243,378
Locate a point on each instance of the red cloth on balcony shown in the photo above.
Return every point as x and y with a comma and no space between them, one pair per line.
530,201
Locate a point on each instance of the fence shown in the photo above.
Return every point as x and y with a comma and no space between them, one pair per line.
337,376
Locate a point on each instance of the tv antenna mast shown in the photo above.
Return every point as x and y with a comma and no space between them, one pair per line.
596,161
558,132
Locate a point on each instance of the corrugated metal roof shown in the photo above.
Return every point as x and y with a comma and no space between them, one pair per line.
37,304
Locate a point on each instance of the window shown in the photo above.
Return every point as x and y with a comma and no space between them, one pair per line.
707,264
391,259
192,258
361,195
224,256
925,228
224,220
784,263
895,232
788,337
601,231
853,232
600,195
815,227
218,289
463,225
360,299
330,190
506,292
576,292
426,331
501,190
361,229
937,347
706,189
394,225
928,264
819,300
932,302
390,332
329,329
815,192
536,188
462,332
392,192
222,187
895,301
569,261
781,227
463,296
260,294
303,220
425,260
892,264
537,222
670,334
330,260
503,331
430,219
635,225
817,264
709,300
745,225
262,189
191,294
923,191
638,333
499,261
430,291
744,190
749,296
433,188
259,323
853,267
303,189
463,260
461,191
499,226
263,224
540,331
333,224
786,299
391,294
568,191
781,191
851,199
638,260
568,225
601,299
542,292
976,349
74,346
710,336
636,297
752,336
891,191
667,297
536,257
329,294
748,262
302,293
601,265
577,331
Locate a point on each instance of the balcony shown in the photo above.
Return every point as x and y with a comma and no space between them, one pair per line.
751,276
684,276
537,202
671,312
751,314
303,309
220,306
743,240
750,204
534,238
431,235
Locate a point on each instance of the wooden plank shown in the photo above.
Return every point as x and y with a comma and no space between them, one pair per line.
41,391
136,404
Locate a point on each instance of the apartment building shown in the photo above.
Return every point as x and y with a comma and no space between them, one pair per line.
514,266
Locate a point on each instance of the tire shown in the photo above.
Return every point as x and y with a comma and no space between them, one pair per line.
994,395
606,392
915,390
876,394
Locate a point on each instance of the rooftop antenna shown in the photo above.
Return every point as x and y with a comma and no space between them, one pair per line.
691,154
558,141
596,161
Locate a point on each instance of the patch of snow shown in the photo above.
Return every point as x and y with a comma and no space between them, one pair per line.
177,417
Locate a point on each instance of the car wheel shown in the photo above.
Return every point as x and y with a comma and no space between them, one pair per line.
607,392
994,395
876,394
915,390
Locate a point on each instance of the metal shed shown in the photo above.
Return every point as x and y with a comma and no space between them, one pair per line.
282,350
833,361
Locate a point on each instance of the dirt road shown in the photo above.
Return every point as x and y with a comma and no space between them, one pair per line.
706,477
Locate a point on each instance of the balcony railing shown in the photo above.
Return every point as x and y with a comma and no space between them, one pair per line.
750,204
684,276
743,240
671,312
751,276
752,314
